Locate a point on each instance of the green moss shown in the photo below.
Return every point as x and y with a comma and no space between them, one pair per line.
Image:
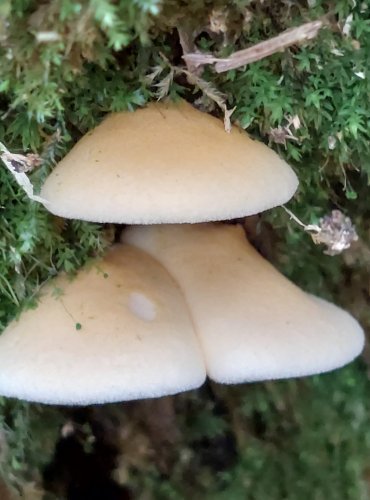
315,438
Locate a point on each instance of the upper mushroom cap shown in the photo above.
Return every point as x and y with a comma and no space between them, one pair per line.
253,323
120,330
167,163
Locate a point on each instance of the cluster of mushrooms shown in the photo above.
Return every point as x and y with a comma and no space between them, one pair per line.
180,298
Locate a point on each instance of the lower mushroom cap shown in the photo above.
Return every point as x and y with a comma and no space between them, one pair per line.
119,331
253,323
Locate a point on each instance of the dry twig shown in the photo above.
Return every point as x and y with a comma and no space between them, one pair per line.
259,51
186,38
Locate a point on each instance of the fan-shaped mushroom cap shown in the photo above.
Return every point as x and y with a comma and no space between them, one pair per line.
167,163
253,323
120,330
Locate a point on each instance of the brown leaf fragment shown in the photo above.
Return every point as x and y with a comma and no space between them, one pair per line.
18,165
334,230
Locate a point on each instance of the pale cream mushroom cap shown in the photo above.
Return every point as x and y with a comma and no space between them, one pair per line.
253,323
136,338
167,163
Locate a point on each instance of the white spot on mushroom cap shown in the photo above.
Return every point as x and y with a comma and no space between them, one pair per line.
115,356
141,306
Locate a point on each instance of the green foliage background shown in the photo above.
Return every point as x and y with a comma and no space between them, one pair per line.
293,439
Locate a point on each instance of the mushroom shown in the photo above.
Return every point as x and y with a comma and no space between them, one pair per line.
120,330
166,163
253,323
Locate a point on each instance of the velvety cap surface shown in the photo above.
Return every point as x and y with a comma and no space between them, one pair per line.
253,323
167,163
120,330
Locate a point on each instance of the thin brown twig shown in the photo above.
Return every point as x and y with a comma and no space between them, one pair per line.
186,39
259,51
